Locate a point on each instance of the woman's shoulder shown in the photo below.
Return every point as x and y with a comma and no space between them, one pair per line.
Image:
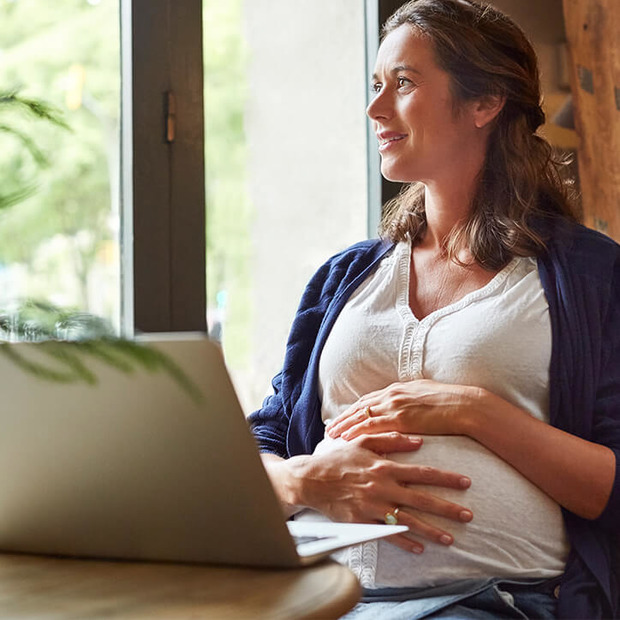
339,271
367,247
581,265
566,231
586,248
356,256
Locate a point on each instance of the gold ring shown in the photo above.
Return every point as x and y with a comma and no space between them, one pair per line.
391,518
367,412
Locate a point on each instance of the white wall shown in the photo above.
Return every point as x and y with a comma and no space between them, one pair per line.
306,134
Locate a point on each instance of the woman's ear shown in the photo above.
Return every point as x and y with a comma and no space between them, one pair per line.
487,108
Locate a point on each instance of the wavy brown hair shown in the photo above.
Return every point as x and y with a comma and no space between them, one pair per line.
486,53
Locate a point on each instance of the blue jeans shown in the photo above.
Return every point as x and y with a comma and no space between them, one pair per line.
466,600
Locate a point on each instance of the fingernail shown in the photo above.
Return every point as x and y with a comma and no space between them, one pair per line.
466,515
465,483
346,435
417,548
415,440
446,540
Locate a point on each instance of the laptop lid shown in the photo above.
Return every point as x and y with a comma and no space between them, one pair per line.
133,465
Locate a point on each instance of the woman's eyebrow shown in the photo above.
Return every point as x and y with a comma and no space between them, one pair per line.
405,68
398,69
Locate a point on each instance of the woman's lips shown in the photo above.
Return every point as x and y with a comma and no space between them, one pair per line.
388,139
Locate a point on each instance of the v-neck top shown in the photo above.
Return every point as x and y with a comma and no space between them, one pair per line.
497,337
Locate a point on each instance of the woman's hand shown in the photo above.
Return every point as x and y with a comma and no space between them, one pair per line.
421,406
576,473
353,484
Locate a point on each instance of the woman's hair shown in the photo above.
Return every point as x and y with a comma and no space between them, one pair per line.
486,53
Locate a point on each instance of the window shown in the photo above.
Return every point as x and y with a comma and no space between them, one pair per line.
283,141
59,225
113,227
286,166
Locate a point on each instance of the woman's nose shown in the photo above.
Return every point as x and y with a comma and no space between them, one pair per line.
379,107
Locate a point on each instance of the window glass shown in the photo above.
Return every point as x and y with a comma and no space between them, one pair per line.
285,166
59,162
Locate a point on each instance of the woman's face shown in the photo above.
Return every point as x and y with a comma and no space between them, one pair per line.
420,136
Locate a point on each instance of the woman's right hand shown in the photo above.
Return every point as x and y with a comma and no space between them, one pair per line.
352,483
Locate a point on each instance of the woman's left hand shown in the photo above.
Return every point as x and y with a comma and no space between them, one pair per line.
576,473
420,406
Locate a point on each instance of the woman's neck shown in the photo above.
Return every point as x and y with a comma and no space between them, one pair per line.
447,206
448,196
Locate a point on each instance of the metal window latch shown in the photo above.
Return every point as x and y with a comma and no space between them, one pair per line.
170,116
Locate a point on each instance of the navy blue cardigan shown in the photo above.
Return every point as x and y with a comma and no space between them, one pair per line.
580,274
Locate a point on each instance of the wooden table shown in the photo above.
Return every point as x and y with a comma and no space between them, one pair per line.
46,587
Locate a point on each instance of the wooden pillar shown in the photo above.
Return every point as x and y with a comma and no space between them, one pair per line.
593,34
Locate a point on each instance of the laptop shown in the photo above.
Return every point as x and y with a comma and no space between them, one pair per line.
141,465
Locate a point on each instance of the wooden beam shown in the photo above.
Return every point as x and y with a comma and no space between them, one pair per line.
593,34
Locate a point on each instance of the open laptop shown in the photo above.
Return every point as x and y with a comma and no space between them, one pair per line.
134,467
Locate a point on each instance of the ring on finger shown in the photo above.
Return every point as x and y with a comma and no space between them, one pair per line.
391,517
367,412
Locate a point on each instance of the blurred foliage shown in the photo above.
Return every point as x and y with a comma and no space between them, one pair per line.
11,102
67,52
67,338
64,52
33,320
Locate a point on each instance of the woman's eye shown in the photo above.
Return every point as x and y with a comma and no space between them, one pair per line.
376,87
403,82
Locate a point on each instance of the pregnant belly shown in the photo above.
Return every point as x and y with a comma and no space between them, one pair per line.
517,530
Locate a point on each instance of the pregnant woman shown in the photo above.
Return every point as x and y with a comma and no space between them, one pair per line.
461,375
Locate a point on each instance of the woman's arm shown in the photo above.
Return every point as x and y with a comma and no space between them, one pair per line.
576,473
352,483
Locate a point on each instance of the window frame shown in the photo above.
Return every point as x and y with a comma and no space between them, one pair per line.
372,17
163,218
380,190
163,241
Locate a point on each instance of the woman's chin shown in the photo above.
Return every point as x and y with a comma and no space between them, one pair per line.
395,175
388,175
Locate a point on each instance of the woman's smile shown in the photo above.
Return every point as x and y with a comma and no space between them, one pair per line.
388,139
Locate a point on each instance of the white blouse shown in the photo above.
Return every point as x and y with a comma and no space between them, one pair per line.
497,337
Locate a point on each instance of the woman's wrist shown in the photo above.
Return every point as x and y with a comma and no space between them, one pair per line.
297,467
475,410
287,478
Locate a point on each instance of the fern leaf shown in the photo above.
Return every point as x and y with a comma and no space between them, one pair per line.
29,143
68,354
38,370
17,196
34,107
87,336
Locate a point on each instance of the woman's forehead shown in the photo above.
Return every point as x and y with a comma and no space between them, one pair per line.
405,46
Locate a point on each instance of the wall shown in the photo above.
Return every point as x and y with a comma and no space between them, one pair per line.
306,131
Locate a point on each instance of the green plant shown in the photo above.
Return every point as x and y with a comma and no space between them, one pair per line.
11,102
66,338
69,338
